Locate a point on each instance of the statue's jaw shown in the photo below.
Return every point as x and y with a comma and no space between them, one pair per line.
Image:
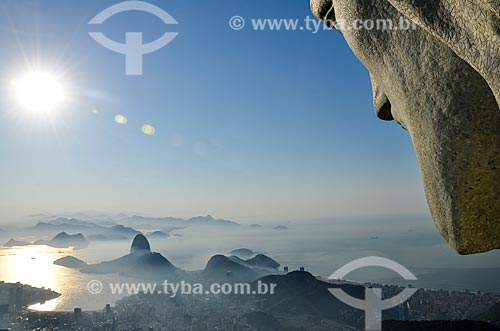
460,164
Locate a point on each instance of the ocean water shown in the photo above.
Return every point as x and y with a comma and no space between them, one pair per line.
321,247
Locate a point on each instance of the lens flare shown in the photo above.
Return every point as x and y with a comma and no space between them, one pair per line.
148,130
120,119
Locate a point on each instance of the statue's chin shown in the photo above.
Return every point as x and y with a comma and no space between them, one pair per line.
463,198
454,122
459,156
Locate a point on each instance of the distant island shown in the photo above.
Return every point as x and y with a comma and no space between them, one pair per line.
61,240
280,228
16,243
70,262
64,240
158,235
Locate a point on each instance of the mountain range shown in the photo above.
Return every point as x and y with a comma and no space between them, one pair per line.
123,229
141,261
173,221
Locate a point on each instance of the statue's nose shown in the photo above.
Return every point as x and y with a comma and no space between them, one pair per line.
381,103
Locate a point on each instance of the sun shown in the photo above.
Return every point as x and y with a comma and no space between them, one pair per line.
39,92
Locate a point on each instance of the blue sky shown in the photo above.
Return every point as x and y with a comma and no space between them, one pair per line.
250,125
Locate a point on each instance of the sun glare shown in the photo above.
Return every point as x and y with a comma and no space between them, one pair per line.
39,92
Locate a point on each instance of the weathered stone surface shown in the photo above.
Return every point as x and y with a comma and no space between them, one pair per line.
441,82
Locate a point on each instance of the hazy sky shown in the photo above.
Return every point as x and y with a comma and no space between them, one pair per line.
250,125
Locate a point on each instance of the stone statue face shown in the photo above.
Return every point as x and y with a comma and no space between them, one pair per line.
441,82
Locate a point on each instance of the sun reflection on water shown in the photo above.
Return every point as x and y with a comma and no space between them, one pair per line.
33,265
51,305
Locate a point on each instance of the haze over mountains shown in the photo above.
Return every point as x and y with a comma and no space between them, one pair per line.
66,232
314,247
142,262
122,227
131,221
